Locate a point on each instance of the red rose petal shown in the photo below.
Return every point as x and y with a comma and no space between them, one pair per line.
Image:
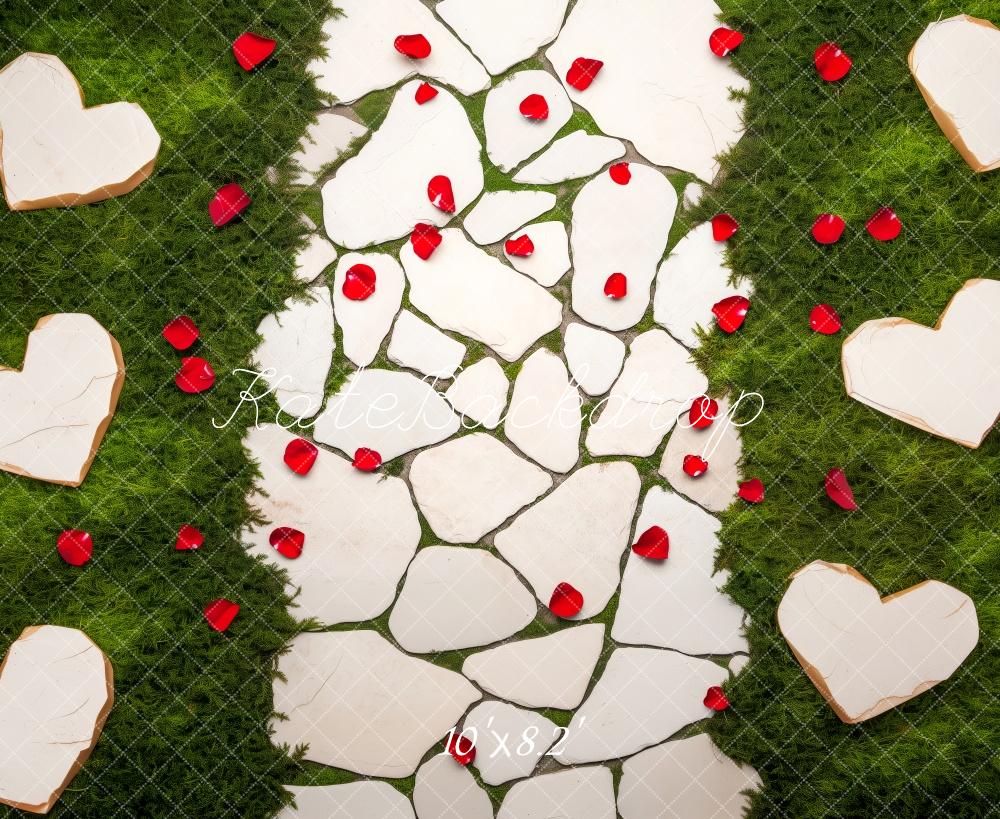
188,538
724,227
287,542
715,698
228,203
75,546
534,107
695,466
300,455
703,412
221,613
425,239
824,319
366,460
828,228
831,62
884,225
566,601
359,282
251,50
731,312
195,375
723,41
583,72
440,192
522,246
616,287
839,490
414,46
654,544
620,173
425,93
752,491
180,332
462,749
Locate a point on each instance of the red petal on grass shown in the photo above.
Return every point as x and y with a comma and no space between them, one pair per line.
300,455
366,460
414,46
724,227
824,319
566,601
654,544
75,546
616,287
583,72
188,538
620,173
694,466
703,412
752,491
251,50
831,62
425,93
287,542
522,246
534,107
228,203
462,749
440,192
731,312
884,225
221,613
715,698
425,240
195,375
359,282
839,490
180,332
828,228
723,41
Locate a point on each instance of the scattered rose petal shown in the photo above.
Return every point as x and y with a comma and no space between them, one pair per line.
414,46
583,72
462,749
75,546
359,282
884,225
188,538
180,332
534,107
839,490
731,312
195,375
703,412
425,93
440,193
367,460
828,228
824,319
425,239
300,455
616,287
287,542
695,466
620,173
221,613
654,544
522,246
251,50
715,698
724,227
752,491
566,601
723,41
228,203
831,62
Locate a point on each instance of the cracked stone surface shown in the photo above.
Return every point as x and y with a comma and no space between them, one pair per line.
573,156
421,346
594,356
353,800
315,256
576,535
365,324
510,741
501,212
361,530
479,393
550,260
446,790
363,705
381,193
468,486
323,142
510,136
580,793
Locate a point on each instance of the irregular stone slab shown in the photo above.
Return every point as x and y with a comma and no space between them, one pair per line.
390,412
361,530
353,800
658,383
510,136
550,259
479,393
458,598
296,351
693,192
644,696
323,142
55,410
363,705
56,690
424,348
504,34
691,281
315,256
738,663
594,357
576,535
867,655
677,603
721,445
364,36
547,672
499,213
619,229
544,418
580,793
509,741
574,156
465,289
944,380
446,790
381,193
684,779
661,87
469,486
365,324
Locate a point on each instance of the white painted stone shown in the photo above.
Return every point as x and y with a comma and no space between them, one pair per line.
361,530
573,156
510,741
315,256
659,381
510,136
544,419
504,34
738,663
594,356
352,800
661,87
550,260
470,485
296,351
362,705
458,597
361,56
390,412
381,193
323,142
677,603
466,290
686,779
546,672
580,793
644,696
500,212
423,347
691,197
619,229
479,393
576,535
365,324
691,281
446,790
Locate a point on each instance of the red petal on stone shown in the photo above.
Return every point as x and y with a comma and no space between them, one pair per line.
425,93
414,46
462,749
724,227
180,332
620,173
251,50
367,460
221,613
616,287
839,490
425,239
75,546
654,544
723,41
521,246
828,228
752,491
715,698
831,62
884,225
534,107
440,193
196,375
703,411
287,542
731,312
566,601
300,455
359,282
583,72
188,538
695,466
228,203
824,319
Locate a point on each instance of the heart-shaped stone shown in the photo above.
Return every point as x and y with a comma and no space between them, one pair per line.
865,654
250,50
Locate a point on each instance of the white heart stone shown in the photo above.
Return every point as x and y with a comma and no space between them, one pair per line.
365,324
594,357
381,193
446,790
479,393
470,485
361,530
421,346
500,212
580,793
550,260
315,256
576,535
574,156
510,136
352,800
323,142
509,741
865,654
363,705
